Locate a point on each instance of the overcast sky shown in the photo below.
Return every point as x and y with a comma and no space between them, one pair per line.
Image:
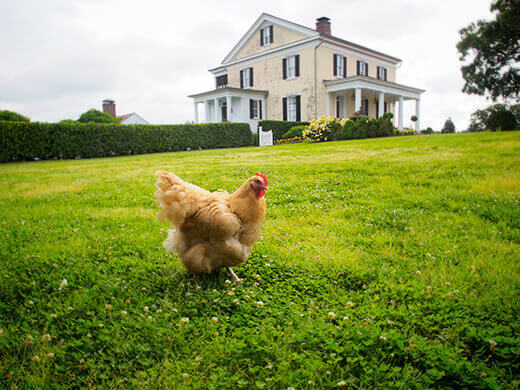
63,57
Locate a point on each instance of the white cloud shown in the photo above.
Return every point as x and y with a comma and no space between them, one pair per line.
63,57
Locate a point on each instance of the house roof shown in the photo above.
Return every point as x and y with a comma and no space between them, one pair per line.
309,32
225,90
126,116
271,18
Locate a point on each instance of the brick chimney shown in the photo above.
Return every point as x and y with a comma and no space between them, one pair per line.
109,106
323,25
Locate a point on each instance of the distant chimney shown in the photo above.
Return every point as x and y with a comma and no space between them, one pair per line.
109,106
323,25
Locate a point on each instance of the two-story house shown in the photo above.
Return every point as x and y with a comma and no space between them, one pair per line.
281,70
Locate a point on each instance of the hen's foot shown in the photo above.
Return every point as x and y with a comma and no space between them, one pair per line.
233,275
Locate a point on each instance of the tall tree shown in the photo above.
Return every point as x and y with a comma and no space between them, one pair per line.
449,126
12,116
493,51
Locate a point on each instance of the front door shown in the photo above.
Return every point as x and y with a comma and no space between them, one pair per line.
339,107
223,112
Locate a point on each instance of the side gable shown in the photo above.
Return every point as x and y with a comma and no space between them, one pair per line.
284,32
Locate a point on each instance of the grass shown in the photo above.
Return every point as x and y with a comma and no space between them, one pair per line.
382,263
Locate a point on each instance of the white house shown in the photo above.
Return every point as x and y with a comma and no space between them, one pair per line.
281,70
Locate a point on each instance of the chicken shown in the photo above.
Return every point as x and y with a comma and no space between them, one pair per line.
211,229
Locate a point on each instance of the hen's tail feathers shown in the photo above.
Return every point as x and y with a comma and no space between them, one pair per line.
169,196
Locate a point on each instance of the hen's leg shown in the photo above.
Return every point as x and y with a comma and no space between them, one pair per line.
233,275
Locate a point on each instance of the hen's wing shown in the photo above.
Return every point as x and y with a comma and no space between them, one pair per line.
192,208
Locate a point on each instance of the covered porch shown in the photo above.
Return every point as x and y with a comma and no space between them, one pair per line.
230,104
372,97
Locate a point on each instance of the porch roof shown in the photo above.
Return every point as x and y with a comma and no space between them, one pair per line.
371,83
228,91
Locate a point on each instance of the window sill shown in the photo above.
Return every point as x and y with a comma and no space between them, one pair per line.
291,78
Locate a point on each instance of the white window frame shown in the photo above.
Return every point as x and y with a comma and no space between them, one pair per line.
381,72
256,102
246,72
291,108
339,65
267,36
291,58
363,68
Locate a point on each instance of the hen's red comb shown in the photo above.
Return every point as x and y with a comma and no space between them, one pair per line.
263,177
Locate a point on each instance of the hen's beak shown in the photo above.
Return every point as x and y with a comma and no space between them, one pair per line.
262,187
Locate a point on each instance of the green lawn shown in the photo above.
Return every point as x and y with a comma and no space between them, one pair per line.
382,263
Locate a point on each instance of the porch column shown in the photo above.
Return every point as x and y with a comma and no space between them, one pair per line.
381,107
207,115
418,115
345,101
214,113
327,101
357,107
196,116
264,110
401,106
228,108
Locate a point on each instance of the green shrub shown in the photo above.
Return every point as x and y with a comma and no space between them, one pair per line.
97,116
325,128
428,130
11,116
279,128
361,127
501,120
295,131
27,141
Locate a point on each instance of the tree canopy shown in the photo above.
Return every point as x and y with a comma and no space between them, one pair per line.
97,116
480,118
493,51
11,116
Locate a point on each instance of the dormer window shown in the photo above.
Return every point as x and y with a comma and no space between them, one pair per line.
266,36
362,68
382,73
246,78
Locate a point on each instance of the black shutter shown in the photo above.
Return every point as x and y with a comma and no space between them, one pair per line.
366,69
335,66
250,77
386,108
298,113
358,67
260,107
284,70
272,36
261,37
241,79
297,65
284,101
344,66
251,108
377,109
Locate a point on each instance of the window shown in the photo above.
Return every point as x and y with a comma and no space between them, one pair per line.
246,78
291,108
266,36
385,108
364,107
291,67
255,109
222,81
340,65
362,68
381,73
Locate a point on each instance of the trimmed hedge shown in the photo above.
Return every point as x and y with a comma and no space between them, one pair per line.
28,141
279,128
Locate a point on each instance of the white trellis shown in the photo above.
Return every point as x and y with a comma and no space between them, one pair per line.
265,137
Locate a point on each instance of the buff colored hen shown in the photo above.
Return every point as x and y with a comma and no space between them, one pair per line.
211,229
